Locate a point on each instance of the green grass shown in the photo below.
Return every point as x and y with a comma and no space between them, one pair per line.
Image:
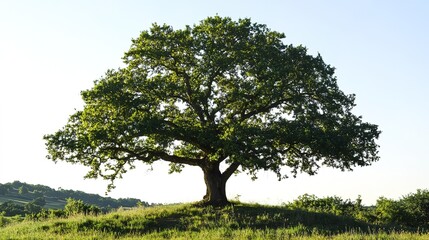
187,221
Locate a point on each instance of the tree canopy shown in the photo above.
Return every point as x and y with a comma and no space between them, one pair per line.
221,91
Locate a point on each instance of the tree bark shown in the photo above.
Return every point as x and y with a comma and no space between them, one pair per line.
216,183
215,192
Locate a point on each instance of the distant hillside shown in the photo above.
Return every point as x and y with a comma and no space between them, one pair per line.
23,193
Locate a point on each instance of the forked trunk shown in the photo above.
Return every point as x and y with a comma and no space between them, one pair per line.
215,183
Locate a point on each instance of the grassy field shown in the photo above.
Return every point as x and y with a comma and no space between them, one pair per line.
186,221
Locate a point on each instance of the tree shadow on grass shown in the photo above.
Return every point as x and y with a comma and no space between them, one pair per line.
279,217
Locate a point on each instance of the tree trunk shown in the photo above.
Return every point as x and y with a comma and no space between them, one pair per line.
215,183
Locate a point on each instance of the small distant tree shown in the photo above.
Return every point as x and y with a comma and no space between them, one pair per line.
74,207
222,92
16,184
40,201
32,208
93,210
22,190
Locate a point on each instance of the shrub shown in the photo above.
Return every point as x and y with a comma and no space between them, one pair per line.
332,205
388,211
74,207
32,208
11,209
416,208
3,219
411,210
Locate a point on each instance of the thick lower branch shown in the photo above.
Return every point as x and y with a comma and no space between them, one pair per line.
176,159
148,156
229,171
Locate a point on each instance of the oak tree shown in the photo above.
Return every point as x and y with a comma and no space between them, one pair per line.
219,92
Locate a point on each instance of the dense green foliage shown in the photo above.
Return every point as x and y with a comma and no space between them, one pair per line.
222,91
331,205
411,211
10,208
74,207
16,201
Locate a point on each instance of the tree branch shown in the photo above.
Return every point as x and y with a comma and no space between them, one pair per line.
132,153
211,79
189,91
150,155
261,109
176,159
230,170
194,105
186,137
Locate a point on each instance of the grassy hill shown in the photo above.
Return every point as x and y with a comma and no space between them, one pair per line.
187,221
307,217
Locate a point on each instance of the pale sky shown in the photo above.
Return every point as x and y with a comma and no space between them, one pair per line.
51,50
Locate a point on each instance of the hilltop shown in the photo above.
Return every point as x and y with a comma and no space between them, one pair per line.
307,217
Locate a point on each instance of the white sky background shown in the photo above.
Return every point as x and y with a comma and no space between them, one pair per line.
51,50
